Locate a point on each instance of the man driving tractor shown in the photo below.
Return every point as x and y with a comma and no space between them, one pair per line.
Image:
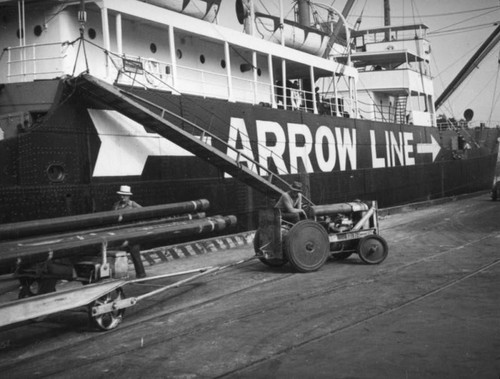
290,204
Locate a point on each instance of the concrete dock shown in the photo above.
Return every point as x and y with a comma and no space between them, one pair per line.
430,310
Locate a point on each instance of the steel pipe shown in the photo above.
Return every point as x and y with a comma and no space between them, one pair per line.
328,209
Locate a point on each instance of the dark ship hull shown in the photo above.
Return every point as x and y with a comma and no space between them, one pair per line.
57,160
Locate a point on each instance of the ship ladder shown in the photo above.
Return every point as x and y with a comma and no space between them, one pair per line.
400,111
132,106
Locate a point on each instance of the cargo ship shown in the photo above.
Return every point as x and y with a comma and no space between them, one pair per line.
91,92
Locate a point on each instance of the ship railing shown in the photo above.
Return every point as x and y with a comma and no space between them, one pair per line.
386,34
334,106
36,61
152,73
409,67
382,112
311,101
212,84
146,72
202,82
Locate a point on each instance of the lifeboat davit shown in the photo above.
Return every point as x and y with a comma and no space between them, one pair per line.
297,36
309,40
203,9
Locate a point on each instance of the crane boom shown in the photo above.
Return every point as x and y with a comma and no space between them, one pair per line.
477,58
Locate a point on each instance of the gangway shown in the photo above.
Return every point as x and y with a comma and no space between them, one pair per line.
130,105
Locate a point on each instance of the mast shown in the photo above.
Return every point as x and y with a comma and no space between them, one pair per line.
387,18
473,63
303,13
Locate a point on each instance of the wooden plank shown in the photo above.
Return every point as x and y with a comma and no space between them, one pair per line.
43,305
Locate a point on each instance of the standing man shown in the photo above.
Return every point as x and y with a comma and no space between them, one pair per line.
135,250
290,203
125,202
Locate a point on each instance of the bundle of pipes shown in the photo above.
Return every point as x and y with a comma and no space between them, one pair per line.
64,242
98,219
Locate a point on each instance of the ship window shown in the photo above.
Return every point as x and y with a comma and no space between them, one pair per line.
56,173
179,54
223,63
153,48
20,33
202,58
92,33
38,30
259,72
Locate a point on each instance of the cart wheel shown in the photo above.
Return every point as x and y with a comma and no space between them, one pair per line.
275,262
110,320
341,256
372,249
306,246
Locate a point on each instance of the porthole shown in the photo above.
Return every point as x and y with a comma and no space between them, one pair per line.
202,58
20,33
223,63
153,48
92,33
38,30
179,54
259,72
56,173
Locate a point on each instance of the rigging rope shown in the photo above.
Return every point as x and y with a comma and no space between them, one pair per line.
493,101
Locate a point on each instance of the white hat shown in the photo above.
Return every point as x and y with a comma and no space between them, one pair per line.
124,190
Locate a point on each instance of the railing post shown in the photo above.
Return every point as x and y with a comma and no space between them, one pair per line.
271,79
8,64
173,56
313,90
228,72
34,61
105,35
119,40
254,70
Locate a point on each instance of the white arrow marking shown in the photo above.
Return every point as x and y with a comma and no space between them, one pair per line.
434,148
126,145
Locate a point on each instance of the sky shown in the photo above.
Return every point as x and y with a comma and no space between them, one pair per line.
456,30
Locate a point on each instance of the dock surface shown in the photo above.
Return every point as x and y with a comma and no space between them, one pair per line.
430,310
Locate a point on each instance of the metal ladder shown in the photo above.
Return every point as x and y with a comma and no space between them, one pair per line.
130,105
400,111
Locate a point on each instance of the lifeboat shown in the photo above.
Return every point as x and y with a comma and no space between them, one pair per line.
309,40
203,9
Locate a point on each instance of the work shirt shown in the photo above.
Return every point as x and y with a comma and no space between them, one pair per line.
287,204
128,204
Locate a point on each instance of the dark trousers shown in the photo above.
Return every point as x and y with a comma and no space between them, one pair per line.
290,217
135,254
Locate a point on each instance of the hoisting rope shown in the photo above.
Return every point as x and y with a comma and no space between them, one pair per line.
493,100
